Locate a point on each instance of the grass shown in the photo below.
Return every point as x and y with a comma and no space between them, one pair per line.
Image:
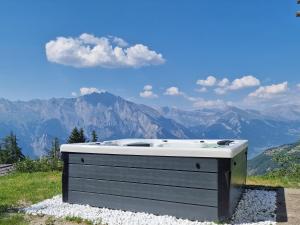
78,220
22,189
74,219
274,181
12,219
19,189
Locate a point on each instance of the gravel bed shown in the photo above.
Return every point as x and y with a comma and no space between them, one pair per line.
256,207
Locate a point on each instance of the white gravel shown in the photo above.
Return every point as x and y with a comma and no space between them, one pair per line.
257,207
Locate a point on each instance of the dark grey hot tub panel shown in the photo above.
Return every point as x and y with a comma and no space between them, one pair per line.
186,187
149,162
231,181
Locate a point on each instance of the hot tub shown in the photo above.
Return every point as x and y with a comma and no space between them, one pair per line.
193,179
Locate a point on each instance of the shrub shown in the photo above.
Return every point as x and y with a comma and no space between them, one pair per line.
288,165
41,165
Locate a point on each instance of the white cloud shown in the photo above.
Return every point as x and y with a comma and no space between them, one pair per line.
119,41
224,82
270,91
196,101
201,103
90,51
173,91
90,90
209,81
147,92
243,82
190,98
220,91
269,96
74,94
147,87
202,89
225,85
298,85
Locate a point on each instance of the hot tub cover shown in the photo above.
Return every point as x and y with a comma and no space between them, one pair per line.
162,147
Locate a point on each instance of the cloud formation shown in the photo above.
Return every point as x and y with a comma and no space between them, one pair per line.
202,103
197,102
88,50
270,91
224,85
201,89
220,91
244,82
89,90
147,92
209,81
173,91
240,83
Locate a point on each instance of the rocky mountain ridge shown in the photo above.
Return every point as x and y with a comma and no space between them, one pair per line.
37,122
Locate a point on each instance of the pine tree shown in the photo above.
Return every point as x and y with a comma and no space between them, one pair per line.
3,156
11,152
94,136
55,150
82,137
74,136
77,136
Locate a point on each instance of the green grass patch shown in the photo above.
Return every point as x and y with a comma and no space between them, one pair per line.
19,189
22,189
13,219
270,180
79,220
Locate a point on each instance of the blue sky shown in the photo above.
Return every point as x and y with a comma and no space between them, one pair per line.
173,45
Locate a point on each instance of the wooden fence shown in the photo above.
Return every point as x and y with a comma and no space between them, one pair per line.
5,169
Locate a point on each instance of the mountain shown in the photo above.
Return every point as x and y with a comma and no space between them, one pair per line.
37,122
263,163
285,112
261,130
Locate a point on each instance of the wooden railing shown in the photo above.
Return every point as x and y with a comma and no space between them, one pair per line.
5,169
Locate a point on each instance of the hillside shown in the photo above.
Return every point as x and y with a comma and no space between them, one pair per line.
263,163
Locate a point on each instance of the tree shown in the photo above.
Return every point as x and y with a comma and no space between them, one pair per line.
94,136
55,150
3,155
74,136
11,152
82,137
288,165
77,136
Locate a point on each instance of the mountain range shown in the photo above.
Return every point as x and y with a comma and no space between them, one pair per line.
37,122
